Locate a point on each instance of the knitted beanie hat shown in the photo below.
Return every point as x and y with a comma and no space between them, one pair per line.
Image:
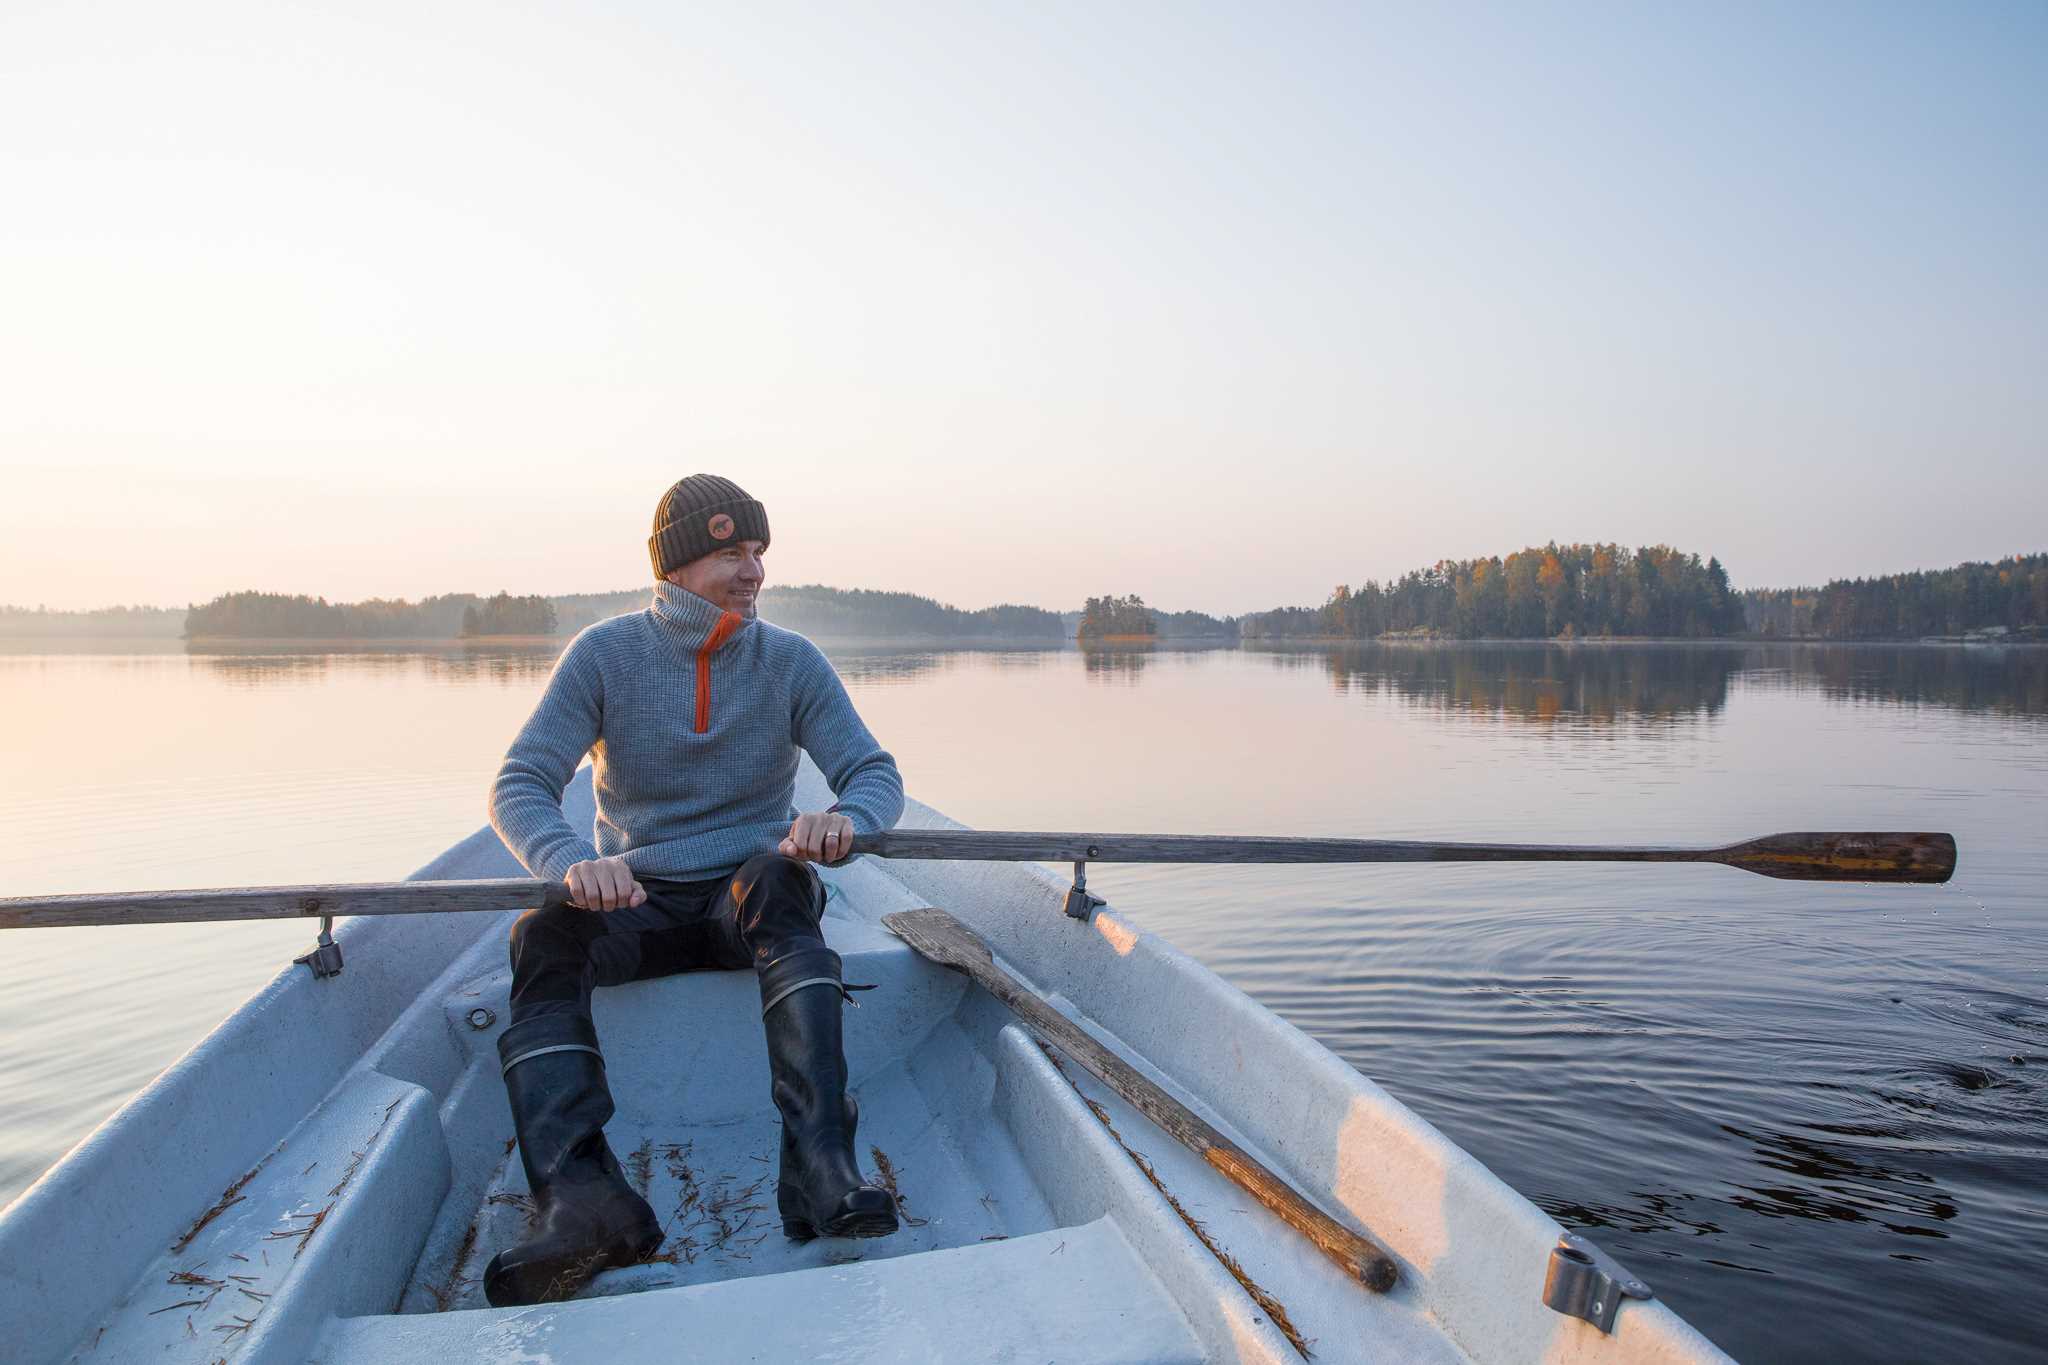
700,514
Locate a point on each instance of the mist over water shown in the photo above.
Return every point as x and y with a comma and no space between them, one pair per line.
1812,1116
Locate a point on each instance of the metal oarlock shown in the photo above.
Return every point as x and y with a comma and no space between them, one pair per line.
325,959
1081,903
1585,1282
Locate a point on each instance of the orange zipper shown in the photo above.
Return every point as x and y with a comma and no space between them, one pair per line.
728,622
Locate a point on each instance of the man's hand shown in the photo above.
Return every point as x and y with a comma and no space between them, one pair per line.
604,884
825,837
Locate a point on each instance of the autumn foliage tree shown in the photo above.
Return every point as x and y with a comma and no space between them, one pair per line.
1538,593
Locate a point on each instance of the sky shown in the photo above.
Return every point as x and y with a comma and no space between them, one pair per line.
1218,304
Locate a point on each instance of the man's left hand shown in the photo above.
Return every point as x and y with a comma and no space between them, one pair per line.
824,837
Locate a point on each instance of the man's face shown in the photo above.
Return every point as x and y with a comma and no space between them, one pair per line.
729,578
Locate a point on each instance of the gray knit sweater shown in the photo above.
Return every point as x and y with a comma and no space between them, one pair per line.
693,717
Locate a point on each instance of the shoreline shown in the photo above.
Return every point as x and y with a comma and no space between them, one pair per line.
229,643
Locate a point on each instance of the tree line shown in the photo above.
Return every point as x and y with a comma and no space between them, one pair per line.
811,609
258,615
1547,592
2009,596
129,622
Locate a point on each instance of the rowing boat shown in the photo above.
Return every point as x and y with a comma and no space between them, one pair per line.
324,1176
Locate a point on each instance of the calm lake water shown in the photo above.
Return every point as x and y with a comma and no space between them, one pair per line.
1812,1116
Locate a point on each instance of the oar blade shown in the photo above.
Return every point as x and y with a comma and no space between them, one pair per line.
1813,857
938,936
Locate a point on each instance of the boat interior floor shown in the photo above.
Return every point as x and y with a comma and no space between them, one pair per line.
1024,1219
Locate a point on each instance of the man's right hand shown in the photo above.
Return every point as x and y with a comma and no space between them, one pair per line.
603,884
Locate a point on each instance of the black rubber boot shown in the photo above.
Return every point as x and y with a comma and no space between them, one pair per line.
821,1191
586,1217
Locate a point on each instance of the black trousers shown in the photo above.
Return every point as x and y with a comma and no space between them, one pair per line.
559,956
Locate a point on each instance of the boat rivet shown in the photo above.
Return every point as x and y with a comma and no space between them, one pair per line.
1599,1307
481,1018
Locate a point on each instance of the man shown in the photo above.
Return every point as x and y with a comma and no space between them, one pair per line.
693,711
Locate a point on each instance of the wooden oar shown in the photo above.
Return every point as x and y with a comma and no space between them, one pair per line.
1807,857
1802,857
948,942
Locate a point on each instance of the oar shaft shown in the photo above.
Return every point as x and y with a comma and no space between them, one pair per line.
279,902
1873,857
998,845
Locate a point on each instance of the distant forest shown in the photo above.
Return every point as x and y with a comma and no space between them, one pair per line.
1551,592
813,610
260,615
2009,597
131,622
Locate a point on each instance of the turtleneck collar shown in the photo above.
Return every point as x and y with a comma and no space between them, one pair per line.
691,620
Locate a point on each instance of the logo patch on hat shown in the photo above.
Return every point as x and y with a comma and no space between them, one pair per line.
720,527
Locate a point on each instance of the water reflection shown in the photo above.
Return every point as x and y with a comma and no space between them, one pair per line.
1540,684
269,665
2006,679
1543,683
880,664
1829,1182
1122,663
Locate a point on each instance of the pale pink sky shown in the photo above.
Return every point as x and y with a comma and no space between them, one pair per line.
1222,305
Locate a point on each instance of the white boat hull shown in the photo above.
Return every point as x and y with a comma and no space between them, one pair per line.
324,1176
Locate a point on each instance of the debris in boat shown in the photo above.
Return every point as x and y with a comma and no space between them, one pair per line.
523,1202
510,1143
447,1291
355,1159
192,1279
304,1234
309,1169
240,1324
236,1256
641,1165
254,1294
684,1252
355,1162
1057,1250
720,1210
887,1174
229,1197
573,1275
1275,1310
997,1237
